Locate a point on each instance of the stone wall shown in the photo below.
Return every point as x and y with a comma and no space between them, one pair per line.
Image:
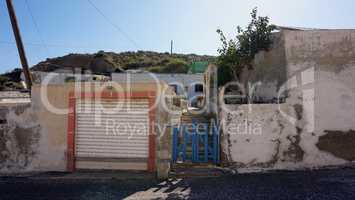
315,126
328,57
261,136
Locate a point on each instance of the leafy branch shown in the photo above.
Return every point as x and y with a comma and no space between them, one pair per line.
237,54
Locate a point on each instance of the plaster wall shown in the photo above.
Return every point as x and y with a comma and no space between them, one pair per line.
268,72
315,126
185,82
34,138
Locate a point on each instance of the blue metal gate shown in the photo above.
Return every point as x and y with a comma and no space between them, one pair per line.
197,143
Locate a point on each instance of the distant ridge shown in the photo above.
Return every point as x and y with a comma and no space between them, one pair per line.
104,63
108,62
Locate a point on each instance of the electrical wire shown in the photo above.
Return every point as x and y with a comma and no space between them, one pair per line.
37,28
52,45
46,45
113,24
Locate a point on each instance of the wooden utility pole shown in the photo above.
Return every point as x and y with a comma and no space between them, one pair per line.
171,47
21,49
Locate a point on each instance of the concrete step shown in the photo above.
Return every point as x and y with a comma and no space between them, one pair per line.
184,170
195,118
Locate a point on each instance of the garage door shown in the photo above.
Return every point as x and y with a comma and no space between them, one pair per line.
112,134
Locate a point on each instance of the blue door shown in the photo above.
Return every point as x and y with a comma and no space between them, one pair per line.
197,143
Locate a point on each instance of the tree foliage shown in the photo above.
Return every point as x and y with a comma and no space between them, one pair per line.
238,53
174,65
11,80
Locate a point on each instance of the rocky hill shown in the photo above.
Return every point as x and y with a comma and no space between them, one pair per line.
11,80
108,62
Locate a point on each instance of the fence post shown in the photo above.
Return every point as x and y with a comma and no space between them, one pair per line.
218,145
206,141
214,135
194,144
175,144
184,142
216,140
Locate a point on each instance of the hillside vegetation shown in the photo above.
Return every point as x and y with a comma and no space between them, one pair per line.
108,62
11,80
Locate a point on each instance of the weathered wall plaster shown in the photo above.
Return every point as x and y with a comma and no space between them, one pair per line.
260,136
33,138
19,138
314,127
268,72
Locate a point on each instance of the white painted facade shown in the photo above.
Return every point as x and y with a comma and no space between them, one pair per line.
183,84
58,78
320,72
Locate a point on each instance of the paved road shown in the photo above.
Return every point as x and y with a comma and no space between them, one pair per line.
324,184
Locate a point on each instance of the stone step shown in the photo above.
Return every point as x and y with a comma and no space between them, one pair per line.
189,164
193,118
184,170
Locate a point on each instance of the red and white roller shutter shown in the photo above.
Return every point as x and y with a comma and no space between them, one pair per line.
110,132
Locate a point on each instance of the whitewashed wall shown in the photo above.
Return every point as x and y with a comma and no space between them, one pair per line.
260,136
185,82
315,126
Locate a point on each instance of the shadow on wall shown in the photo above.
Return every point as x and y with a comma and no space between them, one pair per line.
338,143
19,138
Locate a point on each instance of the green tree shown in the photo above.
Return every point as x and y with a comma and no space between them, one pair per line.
238,53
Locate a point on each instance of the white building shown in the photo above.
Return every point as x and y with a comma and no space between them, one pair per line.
188,85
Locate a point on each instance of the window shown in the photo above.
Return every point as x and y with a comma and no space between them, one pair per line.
174,88
198,88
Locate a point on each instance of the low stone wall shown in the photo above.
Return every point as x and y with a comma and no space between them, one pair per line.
315,126
33,138
263,136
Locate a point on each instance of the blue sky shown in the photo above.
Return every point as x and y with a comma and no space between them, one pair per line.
74,26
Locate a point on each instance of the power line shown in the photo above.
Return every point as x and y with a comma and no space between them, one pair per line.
113,24
36,27
41,45
51,45
20,47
